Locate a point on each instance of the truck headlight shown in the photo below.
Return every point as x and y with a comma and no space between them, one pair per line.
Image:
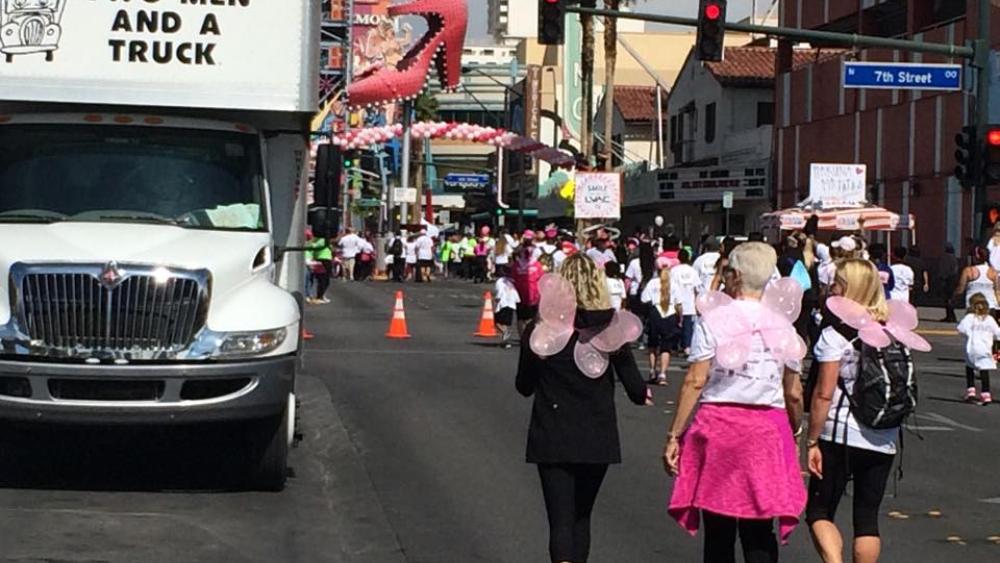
251,343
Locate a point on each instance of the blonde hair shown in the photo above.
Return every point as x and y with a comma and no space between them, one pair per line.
665,290
588,280
755,262
978,305
861,283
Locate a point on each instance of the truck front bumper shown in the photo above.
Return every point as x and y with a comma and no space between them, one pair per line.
145,394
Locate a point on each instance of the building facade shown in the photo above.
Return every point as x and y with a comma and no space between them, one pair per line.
906,139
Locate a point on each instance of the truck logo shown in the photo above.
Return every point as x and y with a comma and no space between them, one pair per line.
111,276
30,26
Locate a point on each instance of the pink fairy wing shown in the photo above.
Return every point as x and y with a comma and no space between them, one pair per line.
591,361
625,327
874,336
780,337
712,300
909,339
557,304
547,340
871,332
732,332
902,315
784,296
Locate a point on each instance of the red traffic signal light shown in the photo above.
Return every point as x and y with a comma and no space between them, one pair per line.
713,12
711,31
993,137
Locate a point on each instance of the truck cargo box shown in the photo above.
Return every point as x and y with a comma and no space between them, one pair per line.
233,54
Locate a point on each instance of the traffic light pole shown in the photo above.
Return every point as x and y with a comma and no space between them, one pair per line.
982,65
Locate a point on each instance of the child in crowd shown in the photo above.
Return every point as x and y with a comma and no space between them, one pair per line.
616,287
507,300
980,330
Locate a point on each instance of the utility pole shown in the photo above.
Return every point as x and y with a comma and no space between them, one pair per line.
404,175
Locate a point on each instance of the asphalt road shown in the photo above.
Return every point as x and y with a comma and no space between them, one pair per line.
413,451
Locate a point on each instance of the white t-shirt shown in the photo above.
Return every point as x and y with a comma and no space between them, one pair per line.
350,245
616,291
685,283
833,347
410,249
634,273
503,258
425,247
507,295
994,250
558,258
705,266
904,282
979,336
827,274
601,256
651,295
760,381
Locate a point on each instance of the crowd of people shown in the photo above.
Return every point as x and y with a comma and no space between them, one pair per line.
734,444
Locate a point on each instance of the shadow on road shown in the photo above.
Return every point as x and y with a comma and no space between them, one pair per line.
148,459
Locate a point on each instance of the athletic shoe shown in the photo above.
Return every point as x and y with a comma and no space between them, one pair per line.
642,346
985,399
652,376
970,394
661,379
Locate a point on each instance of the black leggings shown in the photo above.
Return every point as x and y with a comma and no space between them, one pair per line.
756,537
870,470
970,378
323,280
570,490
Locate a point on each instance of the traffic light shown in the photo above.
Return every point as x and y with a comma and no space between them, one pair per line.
991,214
966,157
711,30
551,22
991,156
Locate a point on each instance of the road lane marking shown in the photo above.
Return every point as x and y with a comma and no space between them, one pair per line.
935,417
937,331
994,500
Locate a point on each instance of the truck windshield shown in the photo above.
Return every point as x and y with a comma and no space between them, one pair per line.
192,178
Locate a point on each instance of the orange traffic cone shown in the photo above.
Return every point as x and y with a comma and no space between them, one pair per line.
397,328
487,329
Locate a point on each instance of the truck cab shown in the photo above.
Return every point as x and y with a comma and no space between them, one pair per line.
149,263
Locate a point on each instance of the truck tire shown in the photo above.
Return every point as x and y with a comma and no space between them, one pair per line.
270,456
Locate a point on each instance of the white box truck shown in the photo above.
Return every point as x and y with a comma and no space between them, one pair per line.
153,170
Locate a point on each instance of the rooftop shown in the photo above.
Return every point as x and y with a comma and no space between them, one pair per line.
638,103
754,67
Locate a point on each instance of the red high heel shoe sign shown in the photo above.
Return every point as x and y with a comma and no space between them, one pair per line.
442,44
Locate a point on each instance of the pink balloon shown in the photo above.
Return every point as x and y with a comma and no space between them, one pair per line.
592,362
784,296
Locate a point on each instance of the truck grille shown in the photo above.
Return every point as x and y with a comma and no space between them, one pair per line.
159,312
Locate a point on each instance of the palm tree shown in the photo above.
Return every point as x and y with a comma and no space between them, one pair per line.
610,59
587,78
426,109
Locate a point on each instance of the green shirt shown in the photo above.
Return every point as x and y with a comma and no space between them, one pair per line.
320,249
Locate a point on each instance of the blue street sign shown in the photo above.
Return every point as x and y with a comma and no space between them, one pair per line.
461,182
902,76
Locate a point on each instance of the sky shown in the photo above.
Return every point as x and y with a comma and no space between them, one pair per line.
738,9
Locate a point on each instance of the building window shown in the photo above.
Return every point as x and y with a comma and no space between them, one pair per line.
765,113
710,123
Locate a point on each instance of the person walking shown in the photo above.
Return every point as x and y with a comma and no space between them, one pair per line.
665,320
947,277
706,262
902,274
839,446
922,284
685,282
639,272
323,254
736,465
410,257
527,272
981,278
506,304
616,287
980,331
424,246
350,246
573,433
397,250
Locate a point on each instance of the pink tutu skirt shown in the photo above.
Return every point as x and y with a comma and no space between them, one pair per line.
739,461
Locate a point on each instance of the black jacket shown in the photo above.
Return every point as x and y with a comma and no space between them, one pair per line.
573,419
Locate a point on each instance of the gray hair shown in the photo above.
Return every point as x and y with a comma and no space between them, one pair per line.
755,262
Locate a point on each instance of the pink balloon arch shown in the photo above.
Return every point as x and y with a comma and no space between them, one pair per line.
369,136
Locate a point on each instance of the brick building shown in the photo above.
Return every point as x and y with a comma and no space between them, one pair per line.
906,139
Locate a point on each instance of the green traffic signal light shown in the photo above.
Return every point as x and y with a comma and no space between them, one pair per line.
499,211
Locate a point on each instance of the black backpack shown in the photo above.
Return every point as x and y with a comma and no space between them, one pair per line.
885,390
